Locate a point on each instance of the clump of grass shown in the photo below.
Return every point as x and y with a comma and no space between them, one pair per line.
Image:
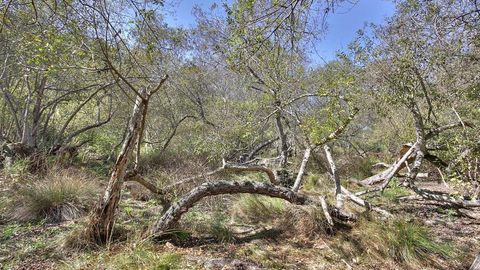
394,191
403,241
300,220
212,224
219,229
258,209
61,195
308,221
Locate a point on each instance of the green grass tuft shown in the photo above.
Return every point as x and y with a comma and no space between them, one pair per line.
403,241
60,196
255,209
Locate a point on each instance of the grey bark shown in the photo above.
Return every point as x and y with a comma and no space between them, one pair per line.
175,212
283,140
335,176
301,171
100,226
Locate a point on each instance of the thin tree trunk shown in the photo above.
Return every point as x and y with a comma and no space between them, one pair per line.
101,221
335,176
301,171
283,141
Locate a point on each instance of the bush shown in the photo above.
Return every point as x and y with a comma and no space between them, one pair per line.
61,195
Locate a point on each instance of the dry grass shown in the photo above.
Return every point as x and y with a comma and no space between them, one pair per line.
61,195
401,241
307,221
134,255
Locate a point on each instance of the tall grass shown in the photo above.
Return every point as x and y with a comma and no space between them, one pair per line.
258,209
61,195
403,241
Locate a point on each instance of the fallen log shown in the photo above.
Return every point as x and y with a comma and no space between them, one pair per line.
387,175
476,263
175,212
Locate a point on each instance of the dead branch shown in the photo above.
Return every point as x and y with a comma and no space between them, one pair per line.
229,167
388,174
260,147
361,202
436,131
399,165
338,131
134,176
301,171
193,178
340,190
324,205
335,177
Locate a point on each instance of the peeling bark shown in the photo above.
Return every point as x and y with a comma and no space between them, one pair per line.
101,220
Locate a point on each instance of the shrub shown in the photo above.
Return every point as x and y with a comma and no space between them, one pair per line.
61,195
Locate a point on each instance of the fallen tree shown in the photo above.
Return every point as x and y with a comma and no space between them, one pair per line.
420,152
175,212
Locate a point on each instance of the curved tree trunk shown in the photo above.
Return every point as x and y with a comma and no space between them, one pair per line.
175,212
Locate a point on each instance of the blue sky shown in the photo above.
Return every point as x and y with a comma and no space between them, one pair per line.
342,25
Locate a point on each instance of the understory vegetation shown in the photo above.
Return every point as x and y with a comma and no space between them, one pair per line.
130,142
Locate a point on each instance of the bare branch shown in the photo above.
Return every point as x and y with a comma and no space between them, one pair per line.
301,171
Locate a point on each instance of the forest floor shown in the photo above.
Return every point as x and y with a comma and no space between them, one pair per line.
40,245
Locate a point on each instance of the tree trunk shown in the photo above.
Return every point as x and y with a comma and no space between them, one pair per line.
283,141
335,176
100,226
175,212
